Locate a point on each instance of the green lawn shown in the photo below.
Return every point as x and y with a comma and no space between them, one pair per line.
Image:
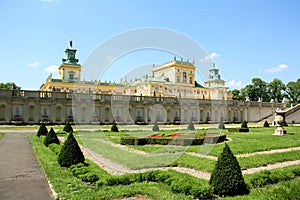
1,135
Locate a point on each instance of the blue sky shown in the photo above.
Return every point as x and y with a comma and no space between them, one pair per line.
246,39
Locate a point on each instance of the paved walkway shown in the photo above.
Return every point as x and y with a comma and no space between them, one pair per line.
20,174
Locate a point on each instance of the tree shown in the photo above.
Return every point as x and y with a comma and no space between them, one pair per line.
68,128
42,130
70,153
9,86
236,95
227,178
50,138
293,91
276,89
114,127
191,126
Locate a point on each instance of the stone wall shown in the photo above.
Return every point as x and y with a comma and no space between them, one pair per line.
32,107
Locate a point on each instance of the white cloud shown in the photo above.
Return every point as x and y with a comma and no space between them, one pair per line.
210,57
277,69
33,64
51,68
234,83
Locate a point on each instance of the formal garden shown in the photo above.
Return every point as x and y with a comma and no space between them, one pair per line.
171,162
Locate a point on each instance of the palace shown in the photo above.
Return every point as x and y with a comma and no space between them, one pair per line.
172,79
170,95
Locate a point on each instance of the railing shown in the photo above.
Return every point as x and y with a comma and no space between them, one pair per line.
130,98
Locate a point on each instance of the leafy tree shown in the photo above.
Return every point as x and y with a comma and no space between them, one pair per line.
70,153
155,127
68,128
293,91
236,95
114,127
276,89
191,126
227,178
9,86
266,124
50,138
42,130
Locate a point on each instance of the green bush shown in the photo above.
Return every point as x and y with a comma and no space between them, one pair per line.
70,153
266,124
50,138
55,148
227,178
89,177
68,128
191,126
114,128
42,130
284,123
155,127
244,124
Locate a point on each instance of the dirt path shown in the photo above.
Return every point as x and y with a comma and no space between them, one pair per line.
20,174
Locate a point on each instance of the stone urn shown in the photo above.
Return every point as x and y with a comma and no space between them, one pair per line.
279,119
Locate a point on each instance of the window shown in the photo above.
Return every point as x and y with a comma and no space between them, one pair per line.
191,80
71,76
178,79
184,77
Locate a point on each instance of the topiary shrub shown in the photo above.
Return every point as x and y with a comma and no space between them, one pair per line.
42,130
155,127
70,153
114,128
266,124
51,138
191,126
284,123
227,178
68,128
221,124
244,124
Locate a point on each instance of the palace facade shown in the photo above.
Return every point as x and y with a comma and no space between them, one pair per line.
169,95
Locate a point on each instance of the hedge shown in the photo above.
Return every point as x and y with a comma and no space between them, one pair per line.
171,141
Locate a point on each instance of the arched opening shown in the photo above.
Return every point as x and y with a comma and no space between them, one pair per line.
107,114
2,112
201,115
83,114
168,115
58,113
241,115
31,113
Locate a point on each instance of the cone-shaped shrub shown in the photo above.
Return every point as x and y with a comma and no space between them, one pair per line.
70,153
50,138
42,130
284,123
155,127
266,124
227,178
244,124
114,128
221,124
68,128
191,126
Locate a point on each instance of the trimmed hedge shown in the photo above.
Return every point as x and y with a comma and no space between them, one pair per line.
114,128
172,141
68,128
238,129
50,138
155,127
227,178
42,130
266,124
70,153
191,126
